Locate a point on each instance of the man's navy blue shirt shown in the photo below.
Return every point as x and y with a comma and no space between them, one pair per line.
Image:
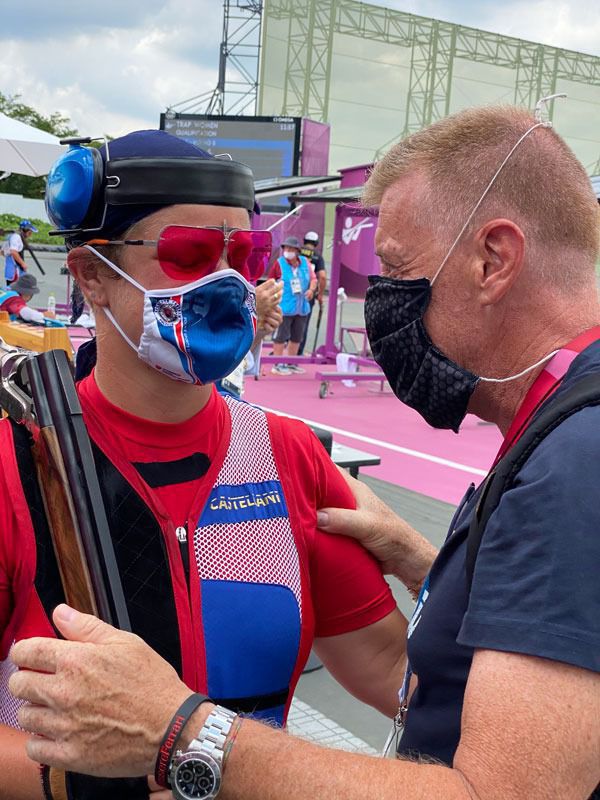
535,589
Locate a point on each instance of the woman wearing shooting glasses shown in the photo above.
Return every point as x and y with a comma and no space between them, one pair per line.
211,502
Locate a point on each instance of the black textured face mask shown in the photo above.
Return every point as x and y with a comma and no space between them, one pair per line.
420,375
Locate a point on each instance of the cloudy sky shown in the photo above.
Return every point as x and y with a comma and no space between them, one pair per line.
113,66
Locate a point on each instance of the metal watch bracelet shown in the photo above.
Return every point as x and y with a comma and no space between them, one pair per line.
213,734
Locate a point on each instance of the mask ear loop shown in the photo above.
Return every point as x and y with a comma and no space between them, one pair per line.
127,277
523,372
540,108
540,123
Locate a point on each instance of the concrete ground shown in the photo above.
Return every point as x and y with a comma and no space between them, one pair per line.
52,282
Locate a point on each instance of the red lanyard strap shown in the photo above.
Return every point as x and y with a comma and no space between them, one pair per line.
544,386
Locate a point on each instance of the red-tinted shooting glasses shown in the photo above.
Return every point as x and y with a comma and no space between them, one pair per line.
186,253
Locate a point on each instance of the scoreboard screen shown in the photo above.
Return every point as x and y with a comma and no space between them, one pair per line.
270,146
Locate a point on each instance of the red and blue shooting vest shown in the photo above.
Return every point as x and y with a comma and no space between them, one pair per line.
232,621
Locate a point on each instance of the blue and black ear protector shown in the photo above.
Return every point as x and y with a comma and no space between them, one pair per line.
81,186
74,187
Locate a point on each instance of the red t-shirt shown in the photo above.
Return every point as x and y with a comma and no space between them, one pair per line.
13,305
347,588
143,441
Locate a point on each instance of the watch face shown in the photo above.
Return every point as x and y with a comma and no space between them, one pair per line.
196,777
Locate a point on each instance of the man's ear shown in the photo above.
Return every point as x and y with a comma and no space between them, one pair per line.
500,245
87,271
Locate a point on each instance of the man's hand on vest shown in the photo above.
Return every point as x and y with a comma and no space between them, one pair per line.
103,698
402,551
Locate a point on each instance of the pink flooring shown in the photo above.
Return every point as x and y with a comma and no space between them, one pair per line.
360,413
78,335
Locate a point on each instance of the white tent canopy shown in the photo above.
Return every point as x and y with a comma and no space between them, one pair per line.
25,150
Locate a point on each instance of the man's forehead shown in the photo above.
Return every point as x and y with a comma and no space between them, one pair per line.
405,193
402,204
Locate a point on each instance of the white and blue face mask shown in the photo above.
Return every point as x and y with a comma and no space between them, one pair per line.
197,333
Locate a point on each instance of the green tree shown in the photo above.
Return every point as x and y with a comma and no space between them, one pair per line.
56,123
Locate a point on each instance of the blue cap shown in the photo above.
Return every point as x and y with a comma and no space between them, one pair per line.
26,225
139,144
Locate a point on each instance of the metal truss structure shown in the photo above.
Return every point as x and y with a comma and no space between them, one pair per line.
236,91
434,47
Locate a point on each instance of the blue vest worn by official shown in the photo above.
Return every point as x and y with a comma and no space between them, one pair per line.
289,299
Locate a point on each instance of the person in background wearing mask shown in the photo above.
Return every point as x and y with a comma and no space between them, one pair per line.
309,249
211,503
299,286
14,264
14,300
488,239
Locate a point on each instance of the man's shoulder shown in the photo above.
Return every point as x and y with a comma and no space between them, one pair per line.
14,443
579,433
569,452
535,587
554,489
15,242
291,431
581,429
5,432
587,362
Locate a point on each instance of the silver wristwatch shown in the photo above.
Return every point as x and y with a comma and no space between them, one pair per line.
197,772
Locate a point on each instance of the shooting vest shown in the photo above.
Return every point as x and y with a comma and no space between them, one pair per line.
8,294
237,628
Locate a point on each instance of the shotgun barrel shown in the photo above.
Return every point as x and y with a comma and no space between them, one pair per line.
33,255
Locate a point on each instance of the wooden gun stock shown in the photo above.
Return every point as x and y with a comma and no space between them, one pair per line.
62,520
72,496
